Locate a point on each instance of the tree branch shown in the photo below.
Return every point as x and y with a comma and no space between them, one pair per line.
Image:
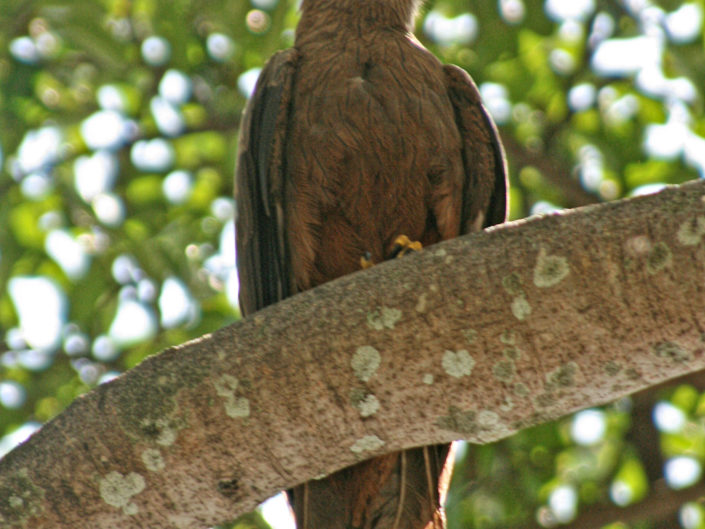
475,338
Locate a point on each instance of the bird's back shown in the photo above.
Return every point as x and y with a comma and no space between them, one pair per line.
373,152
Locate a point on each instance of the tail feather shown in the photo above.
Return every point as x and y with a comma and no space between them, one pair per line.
404,490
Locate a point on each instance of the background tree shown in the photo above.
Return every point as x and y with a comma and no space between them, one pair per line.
118,124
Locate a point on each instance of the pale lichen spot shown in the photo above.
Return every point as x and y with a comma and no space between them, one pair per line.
367,444
368,406
563,376
545,400
521,308
458,364
365,362
504,370
512,353
433,288
457,420
385,318
428,379
550,269
508,337
691,232
440,253
161,430
512,284
448,260
508,404
612,368
153,460
638,245
221,354
659,258
117,490
422,304
487,419
632,374
168,433
521,390
25,499
672,351
226,384
235,406
470,335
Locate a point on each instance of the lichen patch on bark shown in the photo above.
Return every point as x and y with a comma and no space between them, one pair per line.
236,406
367,444
384,318
521,308
368,406
512,284
20,498
672,351
550,269
457,420
162,430
470,335
365,362
504,370
563,376
691,232
508,337
117,490
521,390
659,258
153,460
458,364
422,304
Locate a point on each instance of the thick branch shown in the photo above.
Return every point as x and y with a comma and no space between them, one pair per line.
475,338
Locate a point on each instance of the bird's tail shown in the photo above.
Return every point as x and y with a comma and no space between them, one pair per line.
404,490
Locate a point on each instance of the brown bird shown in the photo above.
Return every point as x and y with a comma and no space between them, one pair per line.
354,137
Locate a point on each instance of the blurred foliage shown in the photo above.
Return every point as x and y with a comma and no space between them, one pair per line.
574,134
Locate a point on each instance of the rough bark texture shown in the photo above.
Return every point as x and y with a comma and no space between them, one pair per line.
474,338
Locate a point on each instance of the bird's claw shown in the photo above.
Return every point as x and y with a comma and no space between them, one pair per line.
366,261
403,245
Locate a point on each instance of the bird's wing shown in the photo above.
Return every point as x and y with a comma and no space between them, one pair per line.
485,188
261,248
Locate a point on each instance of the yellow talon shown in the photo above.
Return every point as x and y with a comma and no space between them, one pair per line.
404,245
366,261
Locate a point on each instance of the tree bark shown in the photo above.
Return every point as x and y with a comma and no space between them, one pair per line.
474,338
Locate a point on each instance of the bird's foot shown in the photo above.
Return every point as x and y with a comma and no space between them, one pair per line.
403,245
366,261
